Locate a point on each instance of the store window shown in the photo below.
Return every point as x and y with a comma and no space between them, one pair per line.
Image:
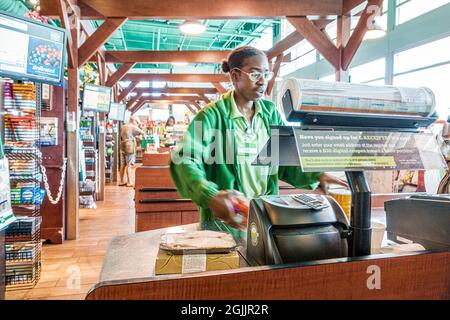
379,82
124,84
265,42
143,84
426,55
371,71
157,84
427,66
410,9
329,78
437,79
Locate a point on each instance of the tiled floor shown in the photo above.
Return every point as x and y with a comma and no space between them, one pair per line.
71,269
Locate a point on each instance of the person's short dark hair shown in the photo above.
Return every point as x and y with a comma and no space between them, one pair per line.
170,118
236,58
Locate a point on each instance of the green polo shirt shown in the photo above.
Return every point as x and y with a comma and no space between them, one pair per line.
250,139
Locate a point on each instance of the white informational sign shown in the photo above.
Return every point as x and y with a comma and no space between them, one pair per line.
49,131
30,50
6,213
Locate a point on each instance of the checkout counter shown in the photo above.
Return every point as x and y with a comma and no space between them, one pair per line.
129,273
310,250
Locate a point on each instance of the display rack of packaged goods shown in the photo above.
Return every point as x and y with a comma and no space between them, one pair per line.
109,152
89,186
22,104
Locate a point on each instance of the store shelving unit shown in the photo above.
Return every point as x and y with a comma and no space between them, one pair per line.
21,103
109,152
89,186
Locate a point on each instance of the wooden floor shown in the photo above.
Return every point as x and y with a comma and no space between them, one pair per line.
69,270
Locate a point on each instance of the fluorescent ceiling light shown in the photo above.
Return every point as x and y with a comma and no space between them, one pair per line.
192,27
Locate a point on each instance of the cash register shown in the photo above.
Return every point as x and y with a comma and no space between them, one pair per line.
290,229
296,228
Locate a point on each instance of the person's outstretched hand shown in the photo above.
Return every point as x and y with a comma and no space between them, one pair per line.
222,207
327,179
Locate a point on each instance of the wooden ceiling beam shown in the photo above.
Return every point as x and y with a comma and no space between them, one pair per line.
349,5
317,38
166,77
171,98
119,74
98,39
292,39
126,91
197,105
205,98
49,9
133,101
200,9
138,106
357,37
150,56
219,87
276,70
198,91
192,110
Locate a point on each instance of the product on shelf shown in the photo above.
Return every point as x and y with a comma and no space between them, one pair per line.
88,133
21,146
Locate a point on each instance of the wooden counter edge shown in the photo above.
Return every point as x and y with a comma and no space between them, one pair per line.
410,275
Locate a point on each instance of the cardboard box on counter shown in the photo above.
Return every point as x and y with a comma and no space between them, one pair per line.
168,263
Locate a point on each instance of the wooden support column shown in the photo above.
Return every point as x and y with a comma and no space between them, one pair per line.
119,74
133,101
128,90
73,140
65,23
101,70
276,70
318,38
343,35
98,39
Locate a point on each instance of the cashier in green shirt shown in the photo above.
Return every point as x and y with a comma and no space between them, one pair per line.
212,165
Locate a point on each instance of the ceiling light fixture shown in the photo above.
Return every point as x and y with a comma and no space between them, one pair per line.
179,64
192,27
375,31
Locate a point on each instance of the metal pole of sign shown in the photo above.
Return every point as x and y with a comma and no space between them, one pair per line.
360,222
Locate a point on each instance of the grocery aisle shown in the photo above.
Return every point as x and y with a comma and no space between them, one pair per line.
63,265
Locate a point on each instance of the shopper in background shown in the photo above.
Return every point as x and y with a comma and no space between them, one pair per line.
128,135
166,133
216,186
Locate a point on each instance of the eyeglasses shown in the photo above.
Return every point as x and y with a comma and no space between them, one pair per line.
256,75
